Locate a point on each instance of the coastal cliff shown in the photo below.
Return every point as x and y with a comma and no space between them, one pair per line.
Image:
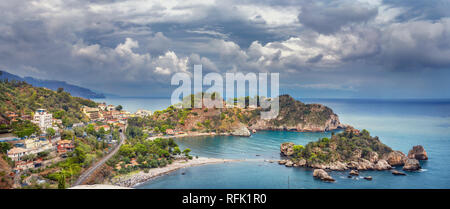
297,116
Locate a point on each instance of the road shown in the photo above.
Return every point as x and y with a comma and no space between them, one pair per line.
99,164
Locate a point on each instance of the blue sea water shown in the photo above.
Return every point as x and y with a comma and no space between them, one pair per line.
400,124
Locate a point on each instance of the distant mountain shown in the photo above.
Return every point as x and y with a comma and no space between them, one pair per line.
54,85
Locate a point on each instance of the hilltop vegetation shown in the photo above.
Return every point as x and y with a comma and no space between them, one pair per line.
293,115
347,146
24,99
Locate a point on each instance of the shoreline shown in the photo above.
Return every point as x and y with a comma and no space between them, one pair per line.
134,179
197,134
194,134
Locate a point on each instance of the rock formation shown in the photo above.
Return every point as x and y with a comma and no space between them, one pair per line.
382,165
396,158
411,165
287,148
354,173
418,152
398,173
242,130
289,163
322,175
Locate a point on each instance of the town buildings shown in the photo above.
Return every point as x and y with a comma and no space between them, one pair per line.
143,113
92,112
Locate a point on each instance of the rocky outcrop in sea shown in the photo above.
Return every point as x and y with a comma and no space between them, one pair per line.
418,153
322,175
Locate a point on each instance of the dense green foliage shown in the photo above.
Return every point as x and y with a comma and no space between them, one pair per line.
24,99
146,153
340,147
24,128
87,150
4,147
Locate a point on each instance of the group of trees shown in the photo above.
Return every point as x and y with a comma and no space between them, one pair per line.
147,153
340,146
87,149
24,128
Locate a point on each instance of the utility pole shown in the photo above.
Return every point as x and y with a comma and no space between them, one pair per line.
288,183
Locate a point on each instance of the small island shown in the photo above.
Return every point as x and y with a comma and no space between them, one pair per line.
353,150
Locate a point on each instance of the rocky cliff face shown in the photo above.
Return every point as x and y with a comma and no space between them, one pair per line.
241,130
297,116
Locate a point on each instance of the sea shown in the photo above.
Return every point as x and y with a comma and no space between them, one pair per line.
399,123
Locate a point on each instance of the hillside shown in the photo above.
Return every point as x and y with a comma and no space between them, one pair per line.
297,116
23,99
6,179
53,85
293,116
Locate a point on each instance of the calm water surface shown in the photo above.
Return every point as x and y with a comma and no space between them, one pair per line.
400,124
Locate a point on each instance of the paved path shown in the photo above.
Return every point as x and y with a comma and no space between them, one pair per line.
99,164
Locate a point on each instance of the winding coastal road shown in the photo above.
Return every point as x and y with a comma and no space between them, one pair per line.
99,164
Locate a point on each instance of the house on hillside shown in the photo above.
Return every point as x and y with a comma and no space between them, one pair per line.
170,131
16,153
65,146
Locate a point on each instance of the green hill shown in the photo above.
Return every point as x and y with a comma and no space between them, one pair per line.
24,99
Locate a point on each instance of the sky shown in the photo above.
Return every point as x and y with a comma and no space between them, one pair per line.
321,49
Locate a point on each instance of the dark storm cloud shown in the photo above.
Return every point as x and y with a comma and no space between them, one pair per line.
330,17
133,47
431,10
315,59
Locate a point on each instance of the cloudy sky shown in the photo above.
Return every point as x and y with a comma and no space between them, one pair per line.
366,48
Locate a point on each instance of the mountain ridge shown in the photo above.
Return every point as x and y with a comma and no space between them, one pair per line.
74,90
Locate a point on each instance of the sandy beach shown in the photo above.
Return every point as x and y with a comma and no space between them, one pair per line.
136,178
99,186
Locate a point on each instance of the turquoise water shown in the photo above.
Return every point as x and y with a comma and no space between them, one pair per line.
400,124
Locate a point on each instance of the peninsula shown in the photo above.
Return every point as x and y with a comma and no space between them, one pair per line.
239,121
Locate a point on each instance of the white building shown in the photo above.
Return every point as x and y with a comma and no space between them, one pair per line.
16,153
143,113
43,119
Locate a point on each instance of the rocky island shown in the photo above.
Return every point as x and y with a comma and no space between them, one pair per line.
353,150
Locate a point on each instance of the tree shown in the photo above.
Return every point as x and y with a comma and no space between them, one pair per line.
119,107
91,130
67,134
127,150
101,133
24,128
186,151
4,147
176,151
61,181
60,90
50,132
78,131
